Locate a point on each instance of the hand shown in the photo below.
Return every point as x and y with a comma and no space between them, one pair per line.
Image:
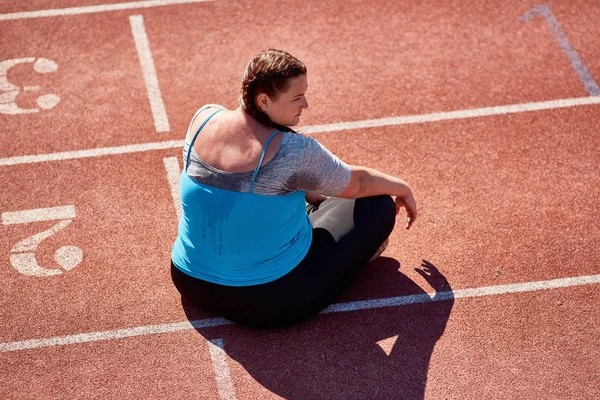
315,198
408,202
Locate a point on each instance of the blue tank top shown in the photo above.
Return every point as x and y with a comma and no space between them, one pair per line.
239,238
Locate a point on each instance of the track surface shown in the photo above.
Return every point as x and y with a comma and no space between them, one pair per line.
506,199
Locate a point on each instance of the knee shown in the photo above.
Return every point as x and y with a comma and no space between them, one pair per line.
377,208
386,206
382,205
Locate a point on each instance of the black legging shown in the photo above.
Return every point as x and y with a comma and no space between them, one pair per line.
346,234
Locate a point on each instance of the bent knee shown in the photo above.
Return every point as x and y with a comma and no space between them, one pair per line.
380,210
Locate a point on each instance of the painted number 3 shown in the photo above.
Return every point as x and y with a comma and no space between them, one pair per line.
22,257
9,92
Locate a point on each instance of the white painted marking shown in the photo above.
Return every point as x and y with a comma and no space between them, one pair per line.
142,45
10,92
68,257
98,152
27,264
173,175
22,257
450,115
463,293
38,215
479,112
31,243
387,345
109,335
45,66
95,9
47,101
221,369
342,307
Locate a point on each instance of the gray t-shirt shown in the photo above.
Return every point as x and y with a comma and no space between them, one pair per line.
301,163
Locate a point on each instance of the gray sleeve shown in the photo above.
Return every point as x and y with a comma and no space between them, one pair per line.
321,171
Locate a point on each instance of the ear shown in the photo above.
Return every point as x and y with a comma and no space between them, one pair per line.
262,102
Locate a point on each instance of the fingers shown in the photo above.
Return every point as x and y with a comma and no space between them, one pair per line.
411,214
410,220
411,209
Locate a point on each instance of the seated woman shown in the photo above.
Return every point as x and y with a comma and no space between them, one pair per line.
249,248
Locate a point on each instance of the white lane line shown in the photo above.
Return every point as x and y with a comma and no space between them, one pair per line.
463,293
98,152
173,175
340,307
459,114
477,112
142,45
110,335
221,369
94,9
37,215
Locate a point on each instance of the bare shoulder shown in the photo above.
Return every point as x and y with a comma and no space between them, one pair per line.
202,114
208,109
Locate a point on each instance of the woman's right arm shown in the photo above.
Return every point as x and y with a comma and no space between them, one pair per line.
365,182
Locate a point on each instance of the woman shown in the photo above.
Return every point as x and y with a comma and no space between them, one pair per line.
249,248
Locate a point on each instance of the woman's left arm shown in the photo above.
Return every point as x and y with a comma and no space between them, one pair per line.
315,198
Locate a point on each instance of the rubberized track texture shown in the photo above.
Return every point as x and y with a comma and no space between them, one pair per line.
488,110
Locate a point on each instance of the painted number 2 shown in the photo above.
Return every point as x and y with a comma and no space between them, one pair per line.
22,257
586,78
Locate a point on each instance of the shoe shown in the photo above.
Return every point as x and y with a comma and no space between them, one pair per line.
380,249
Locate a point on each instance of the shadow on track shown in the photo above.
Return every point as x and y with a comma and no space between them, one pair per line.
337,355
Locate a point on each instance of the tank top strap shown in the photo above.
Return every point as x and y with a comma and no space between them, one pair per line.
187,162
261,159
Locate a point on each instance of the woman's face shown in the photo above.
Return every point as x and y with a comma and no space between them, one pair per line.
287,108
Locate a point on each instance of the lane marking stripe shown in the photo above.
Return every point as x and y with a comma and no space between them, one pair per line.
173,175
459,114
142,45
371,123
463,293
94,9
221,369
103,151
335,308
561,37
115,334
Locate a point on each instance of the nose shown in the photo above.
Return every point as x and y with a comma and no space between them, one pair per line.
305,105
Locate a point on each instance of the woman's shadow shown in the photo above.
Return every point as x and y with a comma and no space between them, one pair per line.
368,353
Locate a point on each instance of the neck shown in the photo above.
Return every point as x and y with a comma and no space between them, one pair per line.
250,120
251,125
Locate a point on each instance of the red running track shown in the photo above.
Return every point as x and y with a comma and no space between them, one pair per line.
506,199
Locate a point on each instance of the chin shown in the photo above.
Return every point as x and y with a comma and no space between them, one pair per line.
291,122
294,121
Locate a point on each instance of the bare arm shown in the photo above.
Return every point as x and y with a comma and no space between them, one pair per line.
366,182
314,198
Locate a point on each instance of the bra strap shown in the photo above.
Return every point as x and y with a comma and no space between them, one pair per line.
187,163
261,159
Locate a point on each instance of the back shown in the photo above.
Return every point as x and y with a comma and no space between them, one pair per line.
299,163
239,239
251,227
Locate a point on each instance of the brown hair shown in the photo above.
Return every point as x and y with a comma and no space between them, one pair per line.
268,72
